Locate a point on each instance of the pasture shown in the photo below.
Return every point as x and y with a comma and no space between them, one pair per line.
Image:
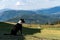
31,32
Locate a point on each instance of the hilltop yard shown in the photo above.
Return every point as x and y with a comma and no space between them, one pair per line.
31,32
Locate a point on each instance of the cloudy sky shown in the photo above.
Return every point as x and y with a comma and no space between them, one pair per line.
28,4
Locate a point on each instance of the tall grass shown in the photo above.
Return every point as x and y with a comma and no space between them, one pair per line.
51,32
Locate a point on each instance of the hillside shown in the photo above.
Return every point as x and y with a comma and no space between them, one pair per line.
48,32
32,18
6,28
38,16
8,14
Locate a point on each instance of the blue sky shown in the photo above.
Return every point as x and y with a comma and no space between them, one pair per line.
28,4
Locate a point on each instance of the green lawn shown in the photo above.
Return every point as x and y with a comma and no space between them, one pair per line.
6,28
30,33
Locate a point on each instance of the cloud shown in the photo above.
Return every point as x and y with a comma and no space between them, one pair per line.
19,3
35,4
3,0
2,6
39,4
29,4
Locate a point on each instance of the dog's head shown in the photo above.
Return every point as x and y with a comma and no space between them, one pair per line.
23,21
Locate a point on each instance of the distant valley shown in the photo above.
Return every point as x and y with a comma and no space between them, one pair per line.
31,16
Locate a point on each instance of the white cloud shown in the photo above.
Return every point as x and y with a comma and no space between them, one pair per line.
18,3
35,4
3,0
2,6
30,4
38,4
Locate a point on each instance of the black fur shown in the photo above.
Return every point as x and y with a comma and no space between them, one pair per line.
17,27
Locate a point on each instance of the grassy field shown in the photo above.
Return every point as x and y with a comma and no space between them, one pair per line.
31,32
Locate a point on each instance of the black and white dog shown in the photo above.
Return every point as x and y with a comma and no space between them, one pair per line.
17,27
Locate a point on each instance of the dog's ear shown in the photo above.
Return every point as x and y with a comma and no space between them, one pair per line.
23,20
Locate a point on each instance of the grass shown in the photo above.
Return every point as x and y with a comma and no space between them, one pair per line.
32,32
6,28
49,34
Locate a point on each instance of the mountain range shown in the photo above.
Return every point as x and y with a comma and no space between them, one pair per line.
31,16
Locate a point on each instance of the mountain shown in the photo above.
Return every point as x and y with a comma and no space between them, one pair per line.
49,11
31,16
28,15
9,14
